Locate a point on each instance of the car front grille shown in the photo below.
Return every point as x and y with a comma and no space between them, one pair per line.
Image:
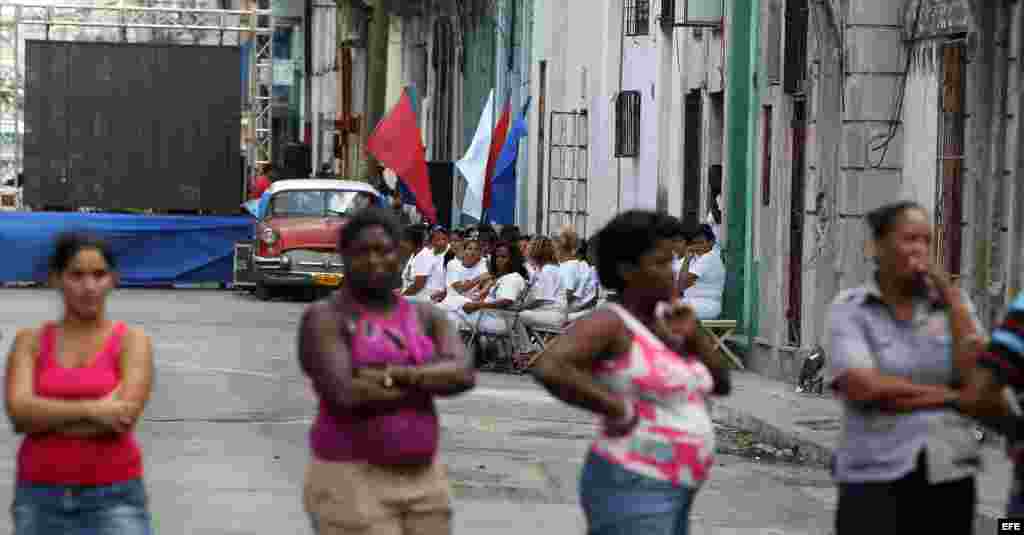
308,261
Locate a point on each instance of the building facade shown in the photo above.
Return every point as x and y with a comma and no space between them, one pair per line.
868,101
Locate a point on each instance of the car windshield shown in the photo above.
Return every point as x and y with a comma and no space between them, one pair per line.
318,203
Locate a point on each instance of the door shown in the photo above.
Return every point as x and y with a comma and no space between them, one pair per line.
949,204
796,224
692,159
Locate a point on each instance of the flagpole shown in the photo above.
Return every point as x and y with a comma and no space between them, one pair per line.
494,122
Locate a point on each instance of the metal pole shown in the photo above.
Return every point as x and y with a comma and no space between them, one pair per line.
121,17
18,103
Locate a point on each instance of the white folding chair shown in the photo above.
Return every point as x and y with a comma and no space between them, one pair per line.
479,340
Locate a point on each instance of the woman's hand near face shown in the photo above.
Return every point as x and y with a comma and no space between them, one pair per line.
674,320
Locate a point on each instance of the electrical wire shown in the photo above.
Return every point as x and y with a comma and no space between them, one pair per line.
895,121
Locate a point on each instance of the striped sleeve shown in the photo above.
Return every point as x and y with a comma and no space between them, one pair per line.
1005,353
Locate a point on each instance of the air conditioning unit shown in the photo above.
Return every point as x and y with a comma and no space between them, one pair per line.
692,13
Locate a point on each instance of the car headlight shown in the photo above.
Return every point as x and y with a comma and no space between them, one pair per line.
269,236
286,261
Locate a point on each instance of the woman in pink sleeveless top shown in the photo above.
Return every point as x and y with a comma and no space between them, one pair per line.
75,389
377,361
641,365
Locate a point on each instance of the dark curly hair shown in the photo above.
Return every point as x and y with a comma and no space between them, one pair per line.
625,239
69,244
366,218
515,258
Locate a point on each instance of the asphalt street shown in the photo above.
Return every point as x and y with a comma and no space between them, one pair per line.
224,436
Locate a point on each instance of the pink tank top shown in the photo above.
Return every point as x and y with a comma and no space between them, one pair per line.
675,439
378,339
64,460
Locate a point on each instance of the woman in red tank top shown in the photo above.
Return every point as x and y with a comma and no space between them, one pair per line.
75,389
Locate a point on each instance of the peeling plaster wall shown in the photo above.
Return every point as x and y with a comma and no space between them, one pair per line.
856,71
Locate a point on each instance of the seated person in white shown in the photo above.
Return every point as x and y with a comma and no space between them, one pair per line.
680,250
424,276
410,248
704,283
501,293
410,243
546,304
531,265
464,277
578,278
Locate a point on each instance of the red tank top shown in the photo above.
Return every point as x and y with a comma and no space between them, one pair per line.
63,460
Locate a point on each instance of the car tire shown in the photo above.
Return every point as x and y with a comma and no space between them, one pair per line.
262,292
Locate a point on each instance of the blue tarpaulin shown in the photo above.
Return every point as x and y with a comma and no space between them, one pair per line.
150,250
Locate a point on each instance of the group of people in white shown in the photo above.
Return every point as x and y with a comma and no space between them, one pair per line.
479,278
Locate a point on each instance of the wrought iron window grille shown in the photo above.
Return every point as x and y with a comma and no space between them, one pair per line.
627,124
638,17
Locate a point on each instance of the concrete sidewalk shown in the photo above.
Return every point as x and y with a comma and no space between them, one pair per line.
778,416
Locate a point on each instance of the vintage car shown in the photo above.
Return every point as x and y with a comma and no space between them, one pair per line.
297,232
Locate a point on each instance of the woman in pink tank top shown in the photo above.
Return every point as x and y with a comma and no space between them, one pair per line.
75,389
377,361
641,365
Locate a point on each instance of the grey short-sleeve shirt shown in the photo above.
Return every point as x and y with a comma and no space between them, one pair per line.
878,445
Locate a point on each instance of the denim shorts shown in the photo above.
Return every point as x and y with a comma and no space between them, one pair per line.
617,501
117,509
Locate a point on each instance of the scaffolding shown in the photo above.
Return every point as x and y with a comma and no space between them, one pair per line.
186,22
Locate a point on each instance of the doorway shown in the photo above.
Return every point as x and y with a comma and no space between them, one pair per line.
798,185
692,159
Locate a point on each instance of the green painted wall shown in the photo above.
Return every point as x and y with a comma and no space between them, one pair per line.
741,96
478,77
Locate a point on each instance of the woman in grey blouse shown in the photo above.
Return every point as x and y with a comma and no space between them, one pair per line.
896,348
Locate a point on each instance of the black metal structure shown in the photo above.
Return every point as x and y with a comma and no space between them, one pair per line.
132,125
442,190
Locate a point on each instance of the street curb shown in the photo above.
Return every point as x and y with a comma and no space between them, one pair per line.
812,452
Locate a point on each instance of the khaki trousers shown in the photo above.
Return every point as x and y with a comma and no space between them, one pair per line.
363,499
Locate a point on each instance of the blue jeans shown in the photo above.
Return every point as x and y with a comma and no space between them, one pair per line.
117,509
617,501
1015,507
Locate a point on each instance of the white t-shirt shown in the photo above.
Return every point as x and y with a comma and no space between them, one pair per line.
677,265
593,286
458,272
424,264
509,287
580,279
436,278
710,272
547,285
716,228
